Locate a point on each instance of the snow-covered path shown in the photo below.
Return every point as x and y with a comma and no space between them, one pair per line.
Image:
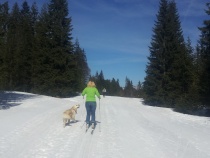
126,129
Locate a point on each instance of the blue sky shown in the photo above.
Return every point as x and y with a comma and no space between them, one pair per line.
116,34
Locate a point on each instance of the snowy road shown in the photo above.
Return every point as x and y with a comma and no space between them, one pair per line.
126,129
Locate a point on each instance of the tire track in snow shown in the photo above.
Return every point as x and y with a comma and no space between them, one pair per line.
60,142
109,133
95,146
85,147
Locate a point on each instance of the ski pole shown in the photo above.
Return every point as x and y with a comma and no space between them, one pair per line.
83,103
83,113
99,117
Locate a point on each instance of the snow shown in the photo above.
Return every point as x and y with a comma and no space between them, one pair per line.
126,129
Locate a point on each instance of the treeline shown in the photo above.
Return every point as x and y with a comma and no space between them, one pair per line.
38,55
37,51
113,87
177,75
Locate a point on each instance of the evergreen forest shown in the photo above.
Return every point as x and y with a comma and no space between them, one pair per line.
177,75
38,53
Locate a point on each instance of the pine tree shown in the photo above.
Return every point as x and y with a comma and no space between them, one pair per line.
55,70
25,49
83,71
113,88
12,54
140,92
63,79
129,91
4,18
204,52
18,52
34,19
168,78
181,64
156,78
41,55
34,16
193,95
101,81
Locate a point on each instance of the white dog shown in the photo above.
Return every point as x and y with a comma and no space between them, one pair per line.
69,115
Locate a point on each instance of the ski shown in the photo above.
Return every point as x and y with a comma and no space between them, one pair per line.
92,131
87,127
93,128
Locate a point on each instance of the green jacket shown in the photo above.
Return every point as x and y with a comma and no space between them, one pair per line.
90,94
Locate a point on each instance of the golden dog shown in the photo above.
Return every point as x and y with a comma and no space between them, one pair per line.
69,115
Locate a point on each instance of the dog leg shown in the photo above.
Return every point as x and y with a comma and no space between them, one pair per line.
64,123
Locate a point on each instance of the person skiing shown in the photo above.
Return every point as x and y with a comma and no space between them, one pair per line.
90,104
104,92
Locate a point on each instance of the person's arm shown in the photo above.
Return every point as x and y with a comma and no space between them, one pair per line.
84,92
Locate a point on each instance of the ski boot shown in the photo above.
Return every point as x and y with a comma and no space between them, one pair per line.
93,125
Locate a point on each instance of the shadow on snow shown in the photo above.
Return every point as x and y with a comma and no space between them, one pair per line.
10,99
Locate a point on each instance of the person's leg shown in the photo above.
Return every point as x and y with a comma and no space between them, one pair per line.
93,110
88,110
